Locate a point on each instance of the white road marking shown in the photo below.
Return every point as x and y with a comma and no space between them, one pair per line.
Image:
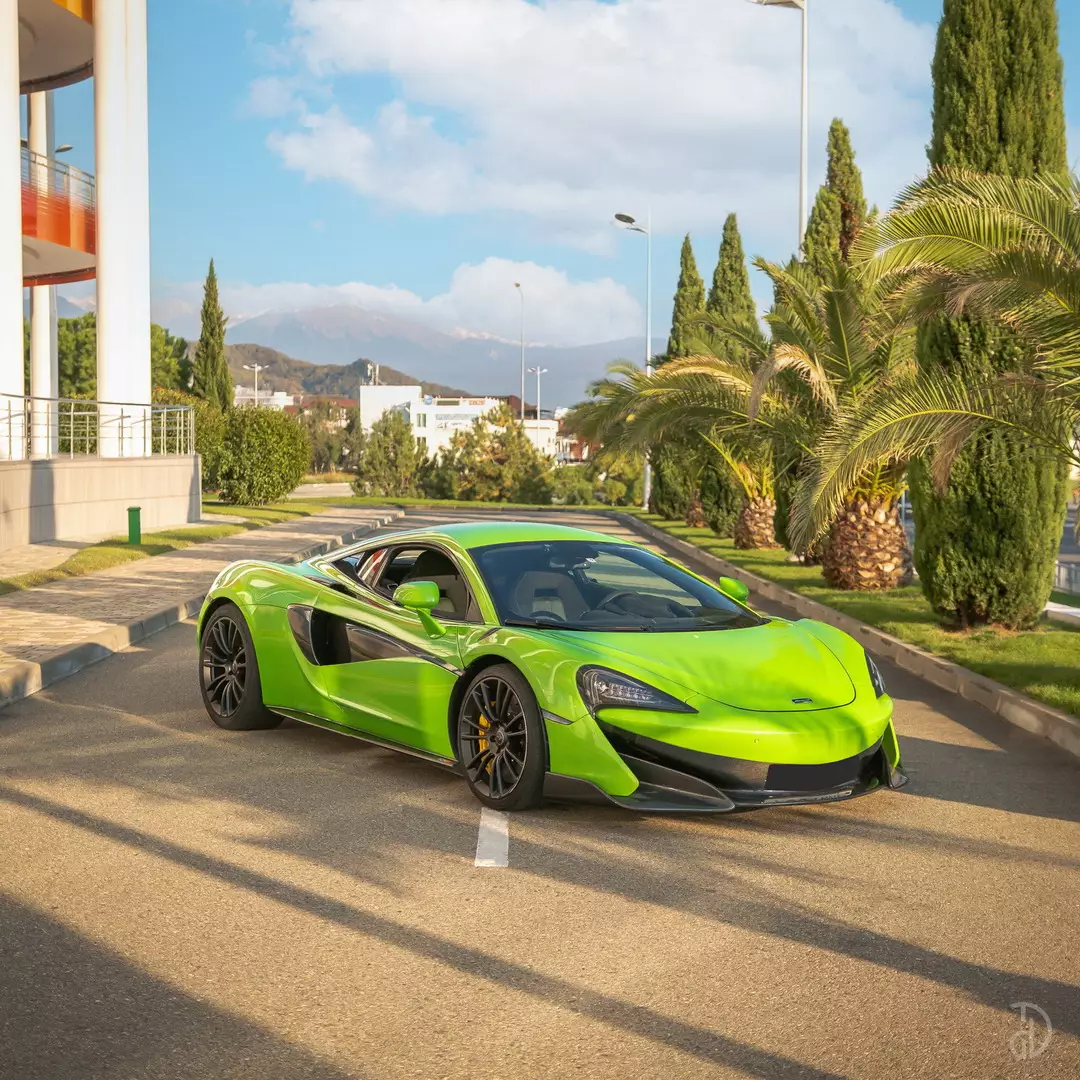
493,839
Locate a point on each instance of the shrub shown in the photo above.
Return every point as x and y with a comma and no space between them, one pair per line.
721,501
209,431
389,461
671,491
572,486
265,455
493,461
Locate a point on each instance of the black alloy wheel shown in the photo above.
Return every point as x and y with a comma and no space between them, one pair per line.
229,674
501,742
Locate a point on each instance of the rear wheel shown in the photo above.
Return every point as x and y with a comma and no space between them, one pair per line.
229,674
500,740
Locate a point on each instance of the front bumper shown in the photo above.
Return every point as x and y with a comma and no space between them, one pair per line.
673,779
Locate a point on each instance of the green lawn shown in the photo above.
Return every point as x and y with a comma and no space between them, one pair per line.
272,513
116,550
1044,662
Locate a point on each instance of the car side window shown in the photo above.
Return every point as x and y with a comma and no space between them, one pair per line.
352,566
456,600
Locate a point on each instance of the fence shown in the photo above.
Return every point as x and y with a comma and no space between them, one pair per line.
1067,577
39,427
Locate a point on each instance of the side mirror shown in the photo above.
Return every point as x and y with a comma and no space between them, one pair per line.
421,597
737,590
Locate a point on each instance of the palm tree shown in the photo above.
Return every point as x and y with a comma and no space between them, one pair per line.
697,401
963,243
834,345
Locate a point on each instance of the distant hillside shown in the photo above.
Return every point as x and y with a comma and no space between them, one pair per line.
281,372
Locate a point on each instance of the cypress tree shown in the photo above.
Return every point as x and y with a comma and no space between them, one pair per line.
985,549
730,295
839,210
210,376
730,298
822,240
689,302
844,180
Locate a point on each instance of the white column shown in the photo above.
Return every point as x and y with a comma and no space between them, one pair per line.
44,374
12,388
113,238
139,220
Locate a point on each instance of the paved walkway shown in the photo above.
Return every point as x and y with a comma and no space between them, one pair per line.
37,624
323,491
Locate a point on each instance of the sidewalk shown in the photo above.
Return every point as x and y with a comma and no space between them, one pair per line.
51,631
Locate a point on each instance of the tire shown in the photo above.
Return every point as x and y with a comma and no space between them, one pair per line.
500,740
229,674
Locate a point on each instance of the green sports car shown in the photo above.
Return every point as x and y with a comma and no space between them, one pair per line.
547,662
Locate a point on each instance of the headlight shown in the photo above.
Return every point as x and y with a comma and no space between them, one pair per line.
602,688
875,676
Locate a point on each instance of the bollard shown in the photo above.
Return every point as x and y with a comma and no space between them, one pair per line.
134,525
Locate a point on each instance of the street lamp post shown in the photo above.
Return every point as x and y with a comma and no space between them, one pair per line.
633,226
538,371
521,293
256,368
800,5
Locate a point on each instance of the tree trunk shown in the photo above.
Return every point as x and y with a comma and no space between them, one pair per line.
808,556
695,512
756,526
868,548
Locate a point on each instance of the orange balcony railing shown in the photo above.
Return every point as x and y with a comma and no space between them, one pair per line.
59,206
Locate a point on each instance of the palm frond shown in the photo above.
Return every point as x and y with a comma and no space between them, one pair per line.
903,420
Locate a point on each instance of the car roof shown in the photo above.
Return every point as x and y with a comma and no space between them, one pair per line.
475,534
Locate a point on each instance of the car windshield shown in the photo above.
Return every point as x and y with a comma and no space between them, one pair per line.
576,585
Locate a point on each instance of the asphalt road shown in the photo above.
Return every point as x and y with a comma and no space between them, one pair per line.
177,901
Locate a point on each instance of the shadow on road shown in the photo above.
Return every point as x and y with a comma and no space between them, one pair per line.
76,1011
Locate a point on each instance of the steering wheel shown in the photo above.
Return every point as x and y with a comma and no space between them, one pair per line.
614,595
546,615
676,609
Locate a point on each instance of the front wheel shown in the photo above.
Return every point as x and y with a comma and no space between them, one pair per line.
229,674
500,740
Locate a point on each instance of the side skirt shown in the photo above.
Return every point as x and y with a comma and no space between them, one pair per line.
363,736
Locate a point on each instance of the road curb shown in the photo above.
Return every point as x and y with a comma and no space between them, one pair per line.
1016,708
28,677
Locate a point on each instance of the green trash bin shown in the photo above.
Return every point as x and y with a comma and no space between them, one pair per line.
134,524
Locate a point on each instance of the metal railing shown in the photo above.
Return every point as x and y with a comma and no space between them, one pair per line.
37,427
1067,577
59,203
49,176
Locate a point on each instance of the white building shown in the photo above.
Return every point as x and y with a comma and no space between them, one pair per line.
544,435
435,419
268,399
374,401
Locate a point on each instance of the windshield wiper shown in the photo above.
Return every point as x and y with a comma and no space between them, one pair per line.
542,624
554,624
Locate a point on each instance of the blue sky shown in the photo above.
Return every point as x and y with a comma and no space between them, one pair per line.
294,144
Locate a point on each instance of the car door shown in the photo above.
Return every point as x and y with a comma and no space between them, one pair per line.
394,679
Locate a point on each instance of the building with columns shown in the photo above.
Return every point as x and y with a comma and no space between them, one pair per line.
71,468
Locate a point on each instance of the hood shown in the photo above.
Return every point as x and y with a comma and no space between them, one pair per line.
777,667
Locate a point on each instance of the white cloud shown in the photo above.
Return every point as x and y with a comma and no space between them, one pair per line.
563,112
480,299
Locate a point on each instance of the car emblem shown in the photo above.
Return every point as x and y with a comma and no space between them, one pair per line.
802,701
